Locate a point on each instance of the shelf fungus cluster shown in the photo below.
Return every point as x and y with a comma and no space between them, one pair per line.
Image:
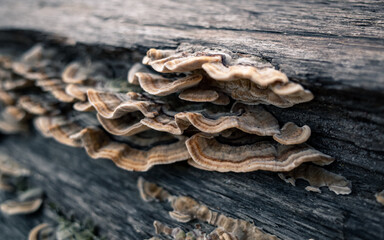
13,178
193,104
186,209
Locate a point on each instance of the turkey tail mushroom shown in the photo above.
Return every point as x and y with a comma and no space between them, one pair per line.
210,154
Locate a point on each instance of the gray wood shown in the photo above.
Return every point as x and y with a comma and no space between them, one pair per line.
334,48
330,43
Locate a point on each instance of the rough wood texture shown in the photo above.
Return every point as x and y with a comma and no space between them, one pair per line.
336,49
330,43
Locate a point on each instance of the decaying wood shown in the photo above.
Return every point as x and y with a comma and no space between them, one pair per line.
335,49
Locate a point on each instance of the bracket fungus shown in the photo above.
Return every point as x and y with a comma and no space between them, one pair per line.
10,170
199,98
318,177
43,231
27,202
186,209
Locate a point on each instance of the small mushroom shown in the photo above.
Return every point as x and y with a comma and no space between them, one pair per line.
28,202
62,96
15,84
126,125
77,91
318,177
43,231
83,107
186,209
210,154
292,134
178,62
37,64
136,68
160,86
115,105
99,145
60,128
36,104
12,120
150,191
253,120
7,98
78,73
262,77
199,95
10,167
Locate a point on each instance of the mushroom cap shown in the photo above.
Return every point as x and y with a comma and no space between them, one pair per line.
77,91
10,167
170,61
137,67
62,96
12,207
318,177
99,145
210,154
126,125
262,77
36,104
60,128
40,232
151,191
199,95
12,120
74,73
83,107
28,202
292,134
253,120
115,105
160,86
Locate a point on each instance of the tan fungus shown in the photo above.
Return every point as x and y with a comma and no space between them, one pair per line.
168,61
34,105
10,167
199,95
208,153
186,209
126,125
42,231
99,145
115,105
318,177
292,134
59,128
28,202
160,86
12,120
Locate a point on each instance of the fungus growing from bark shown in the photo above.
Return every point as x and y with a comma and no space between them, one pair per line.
160,86
186,209
27,202
98,145
292,134
115,105
318,177
200,129
212,155
43,231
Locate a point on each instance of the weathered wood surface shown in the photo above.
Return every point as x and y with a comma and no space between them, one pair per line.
328,42
335,48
